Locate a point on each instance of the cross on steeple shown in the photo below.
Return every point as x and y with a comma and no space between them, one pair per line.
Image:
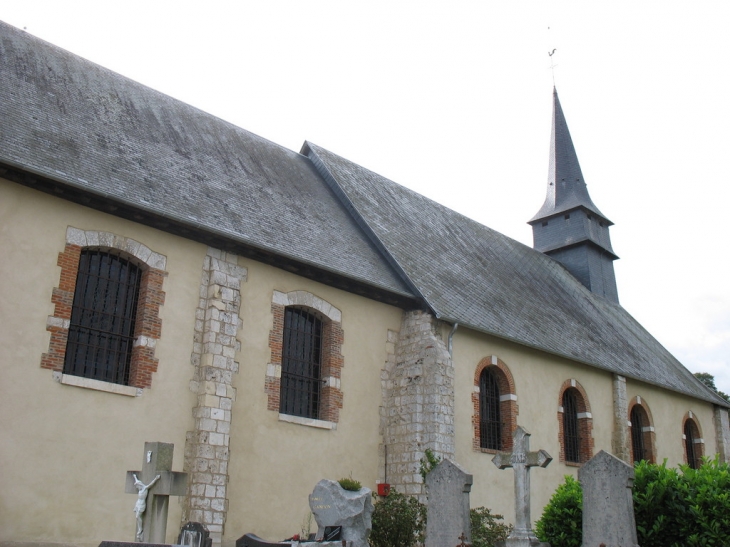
521,459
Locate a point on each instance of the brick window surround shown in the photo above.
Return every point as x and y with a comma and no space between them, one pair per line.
332,359
148,324
690,420
508,408
585,422
647,431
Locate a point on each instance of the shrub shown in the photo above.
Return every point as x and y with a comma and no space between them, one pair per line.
485,530
690,508
561,523
398,521
350,484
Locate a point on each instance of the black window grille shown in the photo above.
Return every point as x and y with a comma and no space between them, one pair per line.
301,366
101,331
490,423
689,442
571,436
637,434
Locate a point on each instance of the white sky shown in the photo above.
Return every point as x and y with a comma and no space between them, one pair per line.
453,99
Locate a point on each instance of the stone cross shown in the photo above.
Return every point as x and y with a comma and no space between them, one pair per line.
608,505
521,459
154,503
448,488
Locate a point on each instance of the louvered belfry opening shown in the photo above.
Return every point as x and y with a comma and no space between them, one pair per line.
490,423
101,331
301,366
637,434
689,442
571,437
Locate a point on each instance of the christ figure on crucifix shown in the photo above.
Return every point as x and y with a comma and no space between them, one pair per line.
141,505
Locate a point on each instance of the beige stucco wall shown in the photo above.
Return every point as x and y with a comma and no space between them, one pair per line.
668,411
65,449
275,464
538,379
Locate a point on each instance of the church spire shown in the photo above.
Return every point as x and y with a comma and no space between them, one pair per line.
569,227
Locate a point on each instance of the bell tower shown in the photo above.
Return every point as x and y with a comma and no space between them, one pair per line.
569,227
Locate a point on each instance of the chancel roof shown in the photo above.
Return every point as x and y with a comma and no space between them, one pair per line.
83,132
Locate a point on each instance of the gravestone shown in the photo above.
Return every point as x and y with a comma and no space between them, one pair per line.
194,534
448,505
332,506
521,460
154,485
608,505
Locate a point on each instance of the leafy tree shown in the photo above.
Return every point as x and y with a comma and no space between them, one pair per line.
709,380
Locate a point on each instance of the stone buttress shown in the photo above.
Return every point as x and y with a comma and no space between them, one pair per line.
418,402
217,323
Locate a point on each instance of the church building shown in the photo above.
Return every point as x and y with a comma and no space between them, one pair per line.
283,317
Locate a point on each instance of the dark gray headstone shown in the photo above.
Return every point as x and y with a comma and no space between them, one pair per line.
608,505
448,505
194,534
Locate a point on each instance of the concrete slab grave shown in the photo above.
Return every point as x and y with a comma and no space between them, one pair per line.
521,460
154,485
448,487
608,504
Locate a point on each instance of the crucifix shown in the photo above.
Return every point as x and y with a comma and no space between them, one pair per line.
154,485
521,459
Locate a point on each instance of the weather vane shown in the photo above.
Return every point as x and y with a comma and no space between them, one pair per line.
552,65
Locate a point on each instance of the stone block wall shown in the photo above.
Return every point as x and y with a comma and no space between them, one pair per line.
215,345
418,402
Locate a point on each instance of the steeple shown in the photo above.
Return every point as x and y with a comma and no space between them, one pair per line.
569,227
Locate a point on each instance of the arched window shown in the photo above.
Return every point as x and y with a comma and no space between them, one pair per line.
101,331
301,364
571,435
106,322
495,406
637,436
642,432
303,380
490,423
575,424
693,443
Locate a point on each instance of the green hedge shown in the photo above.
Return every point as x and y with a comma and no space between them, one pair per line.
673,508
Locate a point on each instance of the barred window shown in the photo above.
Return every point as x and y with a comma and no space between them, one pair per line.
637,434
101,331
301,367
571,436
490,422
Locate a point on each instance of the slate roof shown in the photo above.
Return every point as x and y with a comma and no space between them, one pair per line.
131,149
479,278
77,123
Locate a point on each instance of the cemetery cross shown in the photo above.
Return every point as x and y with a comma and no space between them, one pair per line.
521,459
154,485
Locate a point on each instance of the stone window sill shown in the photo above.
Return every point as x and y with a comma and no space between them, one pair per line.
98,385
573,464
310,422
